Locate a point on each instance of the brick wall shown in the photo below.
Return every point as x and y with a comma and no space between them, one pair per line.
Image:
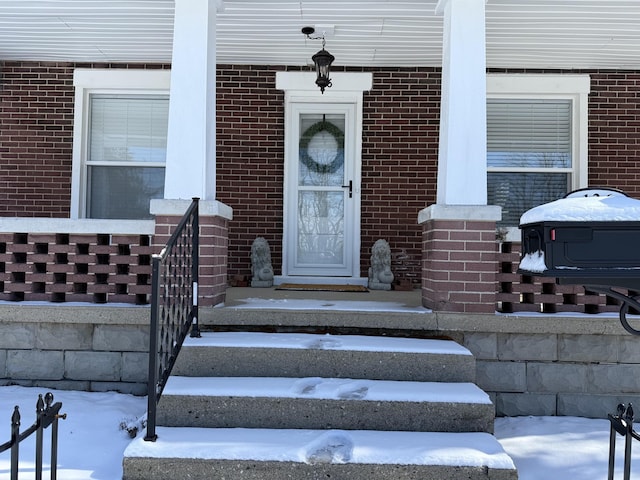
250,160
36,136
213,241
36,132
614,129
399,161
400,142
526,293
459,266
97,268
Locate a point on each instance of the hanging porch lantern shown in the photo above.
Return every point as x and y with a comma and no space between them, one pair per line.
322,61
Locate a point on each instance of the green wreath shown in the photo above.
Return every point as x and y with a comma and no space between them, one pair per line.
309,133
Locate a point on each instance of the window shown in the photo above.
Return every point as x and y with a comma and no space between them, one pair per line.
120,149
528,154
536,140
127,144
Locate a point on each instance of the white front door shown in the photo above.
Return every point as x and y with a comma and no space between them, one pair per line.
322,194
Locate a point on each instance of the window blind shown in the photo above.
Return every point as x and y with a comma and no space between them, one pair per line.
529,133
128,129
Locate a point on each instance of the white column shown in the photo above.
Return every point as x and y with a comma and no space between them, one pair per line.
191,142
462,164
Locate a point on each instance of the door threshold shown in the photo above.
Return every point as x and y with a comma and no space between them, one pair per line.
280,279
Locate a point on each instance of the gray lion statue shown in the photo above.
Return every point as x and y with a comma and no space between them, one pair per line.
380,275
261,268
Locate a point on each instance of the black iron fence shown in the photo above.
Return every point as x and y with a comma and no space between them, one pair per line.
174,306
47,414
622,424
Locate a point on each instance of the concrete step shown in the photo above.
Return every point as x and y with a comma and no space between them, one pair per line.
229,354
373,310
324,403
257,454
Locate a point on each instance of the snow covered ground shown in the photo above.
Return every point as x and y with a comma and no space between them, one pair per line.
92,439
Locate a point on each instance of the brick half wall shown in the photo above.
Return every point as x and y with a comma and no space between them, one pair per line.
459,265
214,241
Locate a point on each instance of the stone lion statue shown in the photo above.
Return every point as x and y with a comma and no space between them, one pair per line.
380,275
261,268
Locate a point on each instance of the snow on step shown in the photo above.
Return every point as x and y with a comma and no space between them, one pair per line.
327,342
326,388
238,354
324,403
327,446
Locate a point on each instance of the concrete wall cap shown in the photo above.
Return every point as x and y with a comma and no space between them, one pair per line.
211,208
460,212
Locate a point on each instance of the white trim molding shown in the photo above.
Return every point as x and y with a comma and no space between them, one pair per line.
206,208
480,213
75,226
300,89
572,87
341,81
102,80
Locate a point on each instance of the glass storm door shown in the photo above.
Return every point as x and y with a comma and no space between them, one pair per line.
320,197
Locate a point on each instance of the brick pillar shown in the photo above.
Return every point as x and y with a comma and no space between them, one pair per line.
214,243
214,240
459,258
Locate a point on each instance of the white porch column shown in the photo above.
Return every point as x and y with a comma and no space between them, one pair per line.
191,142
459,231
462,165
191,145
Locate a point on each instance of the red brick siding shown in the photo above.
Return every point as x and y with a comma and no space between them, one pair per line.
36,115
61,267
36,136
400,141
401,118
526,293
614,131
399,161
250,160
214,234
212,272
459,265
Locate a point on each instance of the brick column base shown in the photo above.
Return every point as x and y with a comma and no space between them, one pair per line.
459,258
214,241
214,245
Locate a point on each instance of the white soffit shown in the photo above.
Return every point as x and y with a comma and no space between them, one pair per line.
383,33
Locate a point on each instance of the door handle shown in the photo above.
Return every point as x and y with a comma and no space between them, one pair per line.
350,187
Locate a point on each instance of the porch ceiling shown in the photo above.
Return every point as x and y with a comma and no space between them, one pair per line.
520,33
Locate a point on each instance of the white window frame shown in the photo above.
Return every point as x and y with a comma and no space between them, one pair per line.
576,89
103,81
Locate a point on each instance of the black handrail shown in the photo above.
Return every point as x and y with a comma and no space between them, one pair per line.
626,302
174,306
47,413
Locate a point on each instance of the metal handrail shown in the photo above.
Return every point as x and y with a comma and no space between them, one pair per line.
174,306
626,302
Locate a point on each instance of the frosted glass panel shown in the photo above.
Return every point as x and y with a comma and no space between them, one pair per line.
321,150
320,227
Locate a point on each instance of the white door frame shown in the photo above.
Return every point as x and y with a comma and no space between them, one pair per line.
344,266
347,88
